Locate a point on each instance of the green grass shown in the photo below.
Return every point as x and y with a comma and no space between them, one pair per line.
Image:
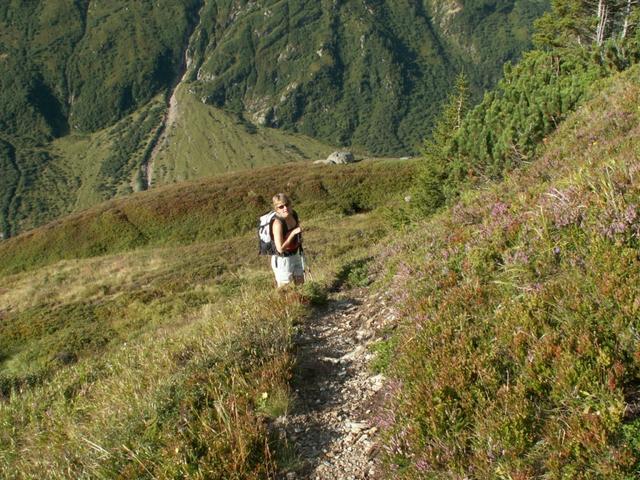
206,210
518,356
160,361
177,400
355,274
206,141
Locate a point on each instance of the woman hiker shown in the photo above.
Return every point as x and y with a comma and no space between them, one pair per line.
287,263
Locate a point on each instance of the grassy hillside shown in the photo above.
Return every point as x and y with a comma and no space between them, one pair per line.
205,141
206,210
519,351
142,338
136,366
145,339
80,170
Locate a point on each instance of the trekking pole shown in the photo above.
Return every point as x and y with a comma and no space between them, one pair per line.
305,267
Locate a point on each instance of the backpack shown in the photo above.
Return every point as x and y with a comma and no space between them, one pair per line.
267,247
265,235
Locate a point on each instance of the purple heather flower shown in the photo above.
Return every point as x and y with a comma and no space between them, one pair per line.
565,207
385,419
631,214
422,465
499,209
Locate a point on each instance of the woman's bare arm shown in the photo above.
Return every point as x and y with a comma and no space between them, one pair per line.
278,239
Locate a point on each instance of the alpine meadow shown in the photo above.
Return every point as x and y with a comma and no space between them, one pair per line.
470,308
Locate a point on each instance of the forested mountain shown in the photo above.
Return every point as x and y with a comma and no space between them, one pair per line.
85,86
370,73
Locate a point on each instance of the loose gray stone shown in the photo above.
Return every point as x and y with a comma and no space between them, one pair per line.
341,158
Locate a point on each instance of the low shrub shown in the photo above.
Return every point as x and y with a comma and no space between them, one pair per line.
518,356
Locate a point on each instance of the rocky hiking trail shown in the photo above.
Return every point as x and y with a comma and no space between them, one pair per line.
332,425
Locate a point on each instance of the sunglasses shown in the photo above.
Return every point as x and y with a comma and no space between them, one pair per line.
280,207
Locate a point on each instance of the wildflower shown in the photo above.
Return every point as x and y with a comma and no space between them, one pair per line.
618,222
565,208
499,209
385,419
422,465
631,214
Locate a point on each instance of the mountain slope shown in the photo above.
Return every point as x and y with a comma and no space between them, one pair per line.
369,75
76,67
80,170
203,141
519,351
148,327
208,209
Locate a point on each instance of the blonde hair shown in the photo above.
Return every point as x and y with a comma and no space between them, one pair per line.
280,198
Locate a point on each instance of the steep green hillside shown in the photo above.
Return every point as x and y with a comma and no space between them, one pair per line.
79,170
204,141
519,352
77,67
83,66
576,45
369,75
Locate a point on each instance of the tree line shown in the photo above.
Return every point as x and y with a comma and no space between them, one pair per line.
576,43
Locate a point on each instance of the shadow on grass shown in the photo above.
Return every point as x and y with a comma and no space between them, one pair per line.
352,274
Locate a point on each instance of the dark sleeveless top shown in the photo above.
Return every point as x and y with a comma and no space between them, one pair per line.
296,246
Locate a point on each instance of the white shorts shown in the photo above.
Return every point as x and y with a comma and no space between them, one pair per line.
286,268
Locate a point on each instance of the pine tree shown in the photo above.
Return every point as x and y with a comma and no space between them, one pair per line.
429,193
585,23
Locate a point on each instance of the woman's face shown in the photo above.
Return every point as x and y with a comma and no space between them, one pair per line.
282,209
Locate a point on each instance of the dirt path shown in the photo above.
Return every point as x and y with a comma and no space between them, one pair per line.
332,426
